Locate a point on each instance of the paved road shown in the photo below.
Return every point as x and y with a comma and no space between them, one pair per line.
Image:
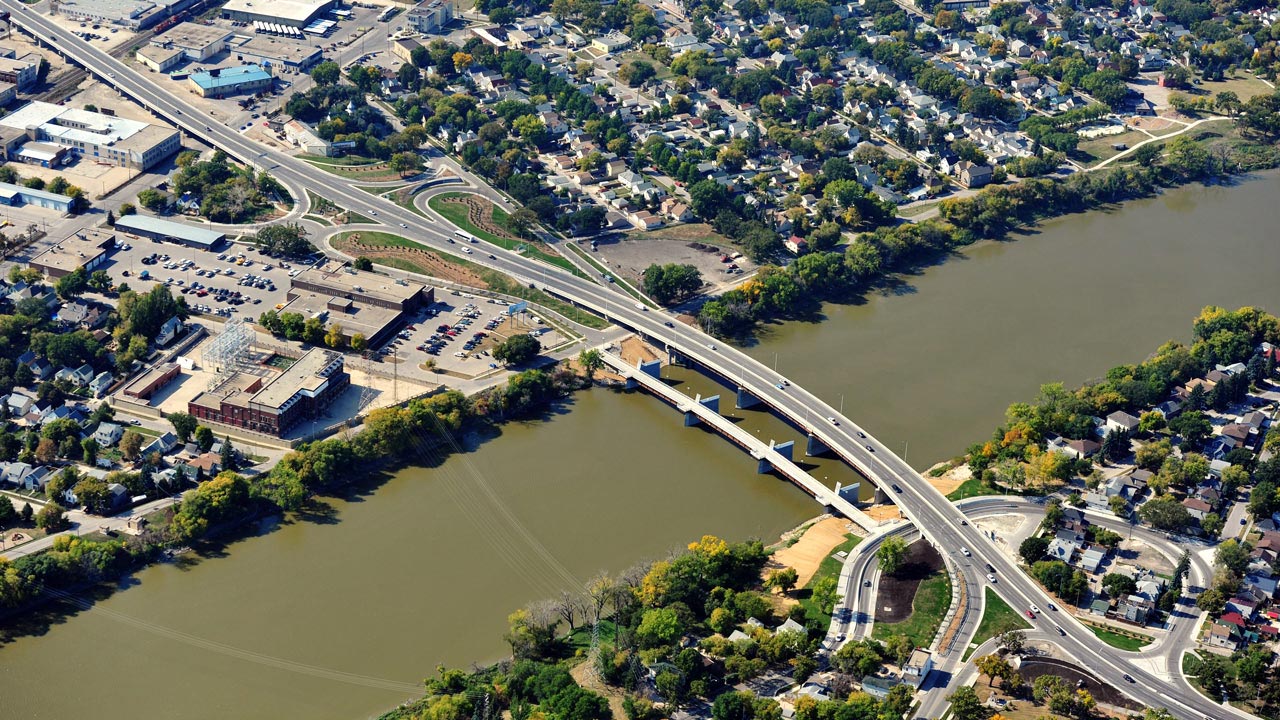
1162,658
929,510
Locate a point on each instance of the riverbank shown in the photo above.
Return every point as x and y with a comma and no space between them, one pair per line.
796,290
392,437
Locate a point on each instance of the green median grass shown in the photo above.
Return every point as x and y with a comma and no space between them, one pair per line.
456,213
997,618
933,597
1121,641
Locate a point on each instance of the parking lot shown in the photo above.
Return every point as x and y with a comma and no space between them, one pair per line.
460,337
243,281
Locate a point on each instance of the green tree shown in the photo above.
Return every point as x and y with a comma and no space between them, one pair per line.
891,554
405,163
659,627
825,594
783,580
8,514
965,705
362,263
671,283
89,451
183,425
1117,585
1165,513
517,349
591,361
204,438
228,459
52,518
130,443
1032,549
153,200
326,73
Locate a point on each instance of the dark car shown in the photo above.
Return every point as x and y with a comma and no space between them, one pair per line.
896,488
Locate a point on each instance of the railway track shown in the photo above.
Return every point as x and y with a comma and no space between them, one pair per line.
68,80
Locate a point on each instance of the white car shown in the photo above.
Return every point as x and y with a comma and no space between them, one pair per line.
1035,609
965,552
832,420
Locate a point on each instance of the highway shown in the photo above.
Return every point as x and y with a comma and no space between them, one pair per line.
938,520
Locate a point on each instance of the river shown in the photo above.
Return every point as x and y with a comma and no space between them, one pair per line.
337,617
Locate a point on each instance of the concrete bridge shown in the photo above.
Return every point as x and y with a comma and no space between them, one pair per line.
771,456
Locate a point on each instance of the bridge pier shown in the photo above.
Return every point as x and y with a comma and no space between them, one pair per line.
653,368
746,399
712,403
848,492
814,446
764,466
631,384
691,418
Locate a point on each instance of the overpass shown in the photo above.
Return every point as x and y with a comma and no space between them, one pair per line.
938,520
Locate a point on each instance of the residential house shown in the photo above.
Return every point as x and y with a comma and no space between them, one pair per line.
797,245
1223,636
162,444
917,667
1197,507
107,434
170,330
1121,421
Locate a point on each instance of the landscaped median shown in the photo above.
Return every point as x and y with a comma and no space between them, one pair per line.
997,619
480,217
912,601
390,250
1120,638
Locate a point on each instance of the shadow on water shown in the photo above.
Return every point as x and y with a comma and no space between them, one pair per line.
56,607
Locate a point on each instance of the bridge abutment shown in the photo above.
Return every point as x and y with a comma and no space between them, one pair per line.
653,368
746,399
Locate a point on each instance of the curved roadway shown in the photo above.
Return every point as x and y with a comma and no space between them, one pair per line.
929,510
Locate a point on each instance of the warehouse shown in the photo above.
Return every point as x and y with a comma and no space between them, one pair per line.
169,231
222,82
376,324
294,13
197,42
85,249
15,195
105,138
161,59
275,54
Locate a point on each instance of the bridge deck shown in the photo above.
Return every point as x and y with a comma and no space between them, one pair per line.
757,449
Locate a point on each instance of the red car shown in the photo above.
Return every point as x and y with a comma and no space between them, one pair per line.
1031,614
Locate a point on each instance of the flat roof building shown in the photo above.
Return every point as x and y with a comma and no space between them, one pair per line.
133,14
157,229
197,42
334,279
87,248
23,73
221,82
294,13
273,53
105,138
161,59
376,324
45,155
146,385
430,16
17,195
304,390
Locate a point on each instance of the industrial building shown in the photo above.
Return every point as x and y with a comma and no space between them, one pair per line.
169,231
197,42
430,16
274,405
23,73
161,59
294,13
105,138
154,379
275,54
45,155
133,14
336,280
221,82
16,195
87,249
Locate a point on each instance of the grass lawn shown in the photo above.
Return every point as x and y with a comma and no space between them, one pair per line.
1123,642
317,219
973,487
1244,85
932,599
385,239
379,189
686,232
997,618
456,213
580,639
344,160
354,218
371,173
829,567
1099,149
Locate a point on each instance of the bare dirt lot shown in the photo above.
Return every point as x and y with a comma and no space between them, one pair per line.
896,591
1140,554
630,253
810,550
